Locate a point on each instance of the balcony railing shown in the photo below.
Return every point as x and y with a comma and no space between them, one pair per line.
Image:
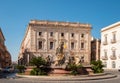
105,43
113,40
104,58
113,57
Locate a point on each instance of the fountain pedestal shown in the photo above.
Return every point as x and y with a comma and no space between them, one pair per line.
59,70
28,70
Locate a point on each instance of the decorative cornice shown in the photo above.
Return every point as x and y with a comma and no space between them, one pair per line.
73,40
61,24
63,40
110,26
52,39
41,39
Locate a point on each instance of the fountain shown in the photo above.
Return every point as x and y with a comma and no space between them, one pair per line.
59,63
62,59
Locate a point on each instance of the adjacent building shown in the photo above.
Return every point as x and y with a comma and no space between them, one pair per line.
5,57
95,49
43,37
110,46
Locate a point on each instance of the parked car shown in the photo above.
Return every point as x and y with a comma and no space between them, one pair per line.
8,69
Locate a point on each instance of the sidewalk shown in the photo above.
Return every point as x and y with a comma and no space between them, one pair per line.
71,78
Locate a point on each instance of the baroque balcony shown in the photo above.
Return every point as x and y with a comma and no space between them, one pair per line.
104,58
113,57
113,40
105,43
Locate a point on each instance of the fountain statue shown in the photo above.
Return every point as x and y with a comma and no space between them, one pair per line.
63,58
59,60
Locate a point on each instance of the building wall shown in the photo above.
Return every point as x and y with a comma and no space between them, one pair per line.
5,57
57,28
110,54
95,49
25,46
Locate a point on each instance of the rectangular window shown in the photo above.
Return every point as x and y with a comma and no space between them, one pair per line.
51,34
40,33
82,35
105,38
105,53
40,45
82,45
62,34
51,45
72,45
114,36
113,64
72,34
113,53
105,64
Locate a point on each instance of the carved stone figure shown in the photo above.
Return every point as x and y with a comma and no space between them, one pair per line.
59,55
48,60
60,48
77,59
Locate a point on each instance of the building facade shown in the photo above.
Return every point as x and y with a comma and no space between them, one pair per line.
5,57
95,49
110,46
43,37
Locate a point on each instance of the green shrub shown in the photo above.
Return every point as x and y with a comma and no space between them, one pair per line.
74,68
21,68
37,71
33,72
38,62
97,66
42,68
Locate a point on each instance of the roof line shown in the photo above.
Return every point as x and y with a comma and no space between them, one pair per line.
2,33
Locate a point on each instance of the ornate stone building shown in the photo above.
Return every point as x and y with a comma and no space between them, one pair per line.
5,57
43,37
110,46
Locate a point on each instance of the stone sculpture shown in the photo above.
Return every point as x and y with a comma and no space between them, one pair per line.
59,55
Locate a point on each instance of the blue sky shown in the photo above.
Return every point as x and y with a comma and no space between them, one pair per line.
16,14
